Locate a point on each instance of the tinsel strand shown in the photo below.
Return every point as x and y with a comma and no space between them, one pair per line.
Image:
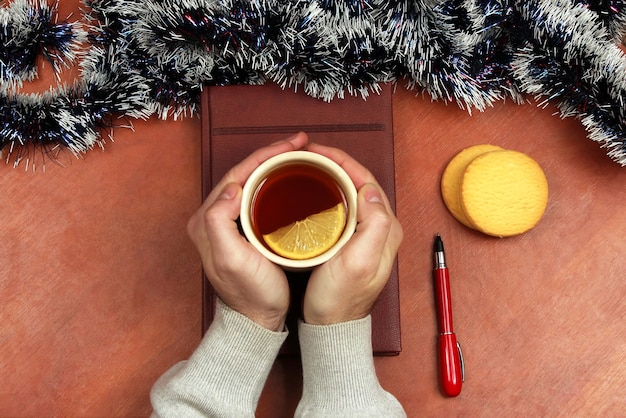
29,29
153,57
573,62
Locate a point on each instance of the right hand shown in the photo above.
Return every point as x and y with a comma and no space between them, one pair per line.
346,287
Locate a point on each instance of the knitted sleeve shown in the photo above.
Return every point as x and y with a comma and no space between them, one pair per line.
339,378
224,377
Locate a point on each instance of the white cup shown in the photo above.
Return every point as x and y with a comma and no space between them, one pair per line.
279,161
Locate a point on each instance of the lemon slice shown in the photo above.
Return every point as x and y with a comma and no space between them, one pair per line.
309,237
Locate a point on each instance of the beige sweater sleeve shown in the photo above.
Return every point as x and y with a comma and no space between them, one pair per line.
338,373
224,377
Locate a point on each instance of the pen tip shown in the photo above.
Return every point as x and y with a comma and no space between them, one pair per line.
438,247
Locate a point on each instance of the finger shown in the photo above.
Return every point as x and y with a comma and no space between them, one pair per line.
197,227
296,139
395,234
207,217
357,172
368,244
240,173
219,220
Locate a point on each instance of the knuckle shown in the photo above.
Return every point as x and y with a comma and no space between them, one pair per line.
397,231
384,219
363,267
192,226
223,266
211,217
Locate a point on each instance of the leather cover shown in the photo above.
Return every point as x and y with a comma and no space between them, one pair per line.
236,120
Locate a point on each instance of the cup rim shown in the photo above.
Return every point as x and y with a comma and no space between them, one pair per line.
295,157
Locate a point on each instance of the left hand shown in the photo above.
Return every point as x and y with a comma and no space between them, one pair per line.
243,279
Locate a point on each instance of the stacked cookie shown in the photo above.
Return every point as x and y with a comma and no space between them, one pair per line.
496,191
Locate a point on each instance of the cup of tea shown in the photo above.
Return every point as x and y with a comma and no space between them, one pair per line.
298,209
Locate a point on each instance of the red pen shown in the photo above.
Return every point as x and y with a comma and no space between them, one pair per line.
451,367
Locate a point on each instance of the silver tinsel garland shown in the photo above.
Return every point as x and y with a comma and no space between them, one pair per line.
152,57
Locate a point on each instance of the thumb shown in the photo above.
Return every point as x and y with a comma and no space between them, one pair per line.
371,193
374,222
226,206
220,216
214,214
227,202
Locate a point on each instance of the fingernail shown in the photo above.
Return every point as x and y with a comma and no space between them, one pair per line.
292,137
288,139
372,194
228,192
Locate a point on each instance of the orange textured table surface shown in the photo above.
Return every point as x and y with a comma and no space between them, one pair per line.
100,286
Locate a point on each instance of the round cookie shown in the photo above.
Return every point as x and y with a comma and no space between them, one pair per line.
453,176
504,193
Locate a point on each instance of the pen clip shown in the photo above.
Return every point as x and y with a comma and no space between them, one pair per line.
461,361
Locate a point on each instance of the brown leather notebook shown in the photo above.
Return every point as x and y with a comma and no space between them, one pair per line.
236,120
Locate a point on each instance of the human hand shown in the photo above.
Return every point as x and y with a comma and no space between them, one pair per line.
346,287
243,279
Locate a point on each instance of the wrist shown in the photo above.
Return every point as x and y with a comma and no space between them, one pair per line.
273,320
335,316
276,324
